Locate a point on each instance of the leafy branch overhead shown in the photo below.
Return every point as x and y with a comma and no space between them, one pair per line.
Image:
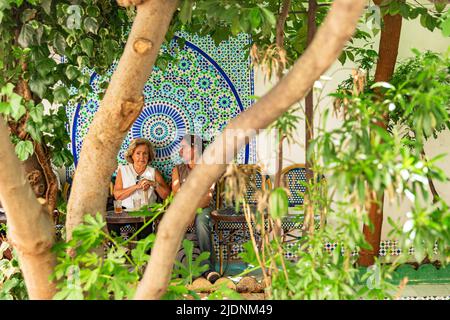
222,20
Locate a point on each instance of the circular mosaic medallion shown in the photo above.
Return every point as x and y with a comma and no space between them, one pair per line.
164,124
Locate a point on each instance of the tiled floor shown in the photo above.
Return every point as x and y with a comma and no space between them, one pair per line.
416,291
423,290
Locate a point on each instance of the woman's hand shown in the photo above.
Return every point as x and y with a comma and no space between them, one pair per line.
146,184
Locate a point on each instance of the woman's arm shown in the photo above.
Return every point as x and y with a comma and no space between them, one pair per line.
162,188
175,180
207,198
176,187
119,192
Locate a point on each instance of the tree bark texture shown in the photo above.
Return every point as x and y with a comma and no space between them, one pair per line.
121,105
280,32
309,102
280,44
387,57
324,50
41,156
30,228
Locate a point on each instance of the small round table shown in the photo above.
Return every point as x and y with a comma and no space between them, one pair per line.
122,218
125,225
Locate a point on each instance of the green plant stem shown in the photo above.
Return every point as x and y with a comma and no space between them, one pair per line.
255,247
280,252
145,225
108,237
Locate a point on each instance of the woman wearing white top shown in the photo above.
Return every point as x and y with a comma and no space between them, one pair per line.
137,178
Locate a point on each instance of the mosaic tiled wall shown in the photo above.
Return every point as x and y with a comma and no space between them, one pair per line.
200,93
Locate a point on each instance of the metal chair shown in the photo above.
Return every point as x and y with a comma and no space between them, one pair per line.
230,226
294,178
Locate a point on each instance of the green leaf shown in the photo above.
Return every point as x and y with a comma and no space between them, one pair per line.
24,149
82,61
27,36
38,87
249,255
414,13
278,203
186,12
47,5
93,11
342,57
244,23
45,66
235,26
17,108
269,16
37,112
110,48
9,284
445,26
423,20
61,94
430,23
394,8
72,72
7,89
440,6
87,45
350,56
91,25
27,15
255,18
5,108
404,10
33,129
59,43
382,84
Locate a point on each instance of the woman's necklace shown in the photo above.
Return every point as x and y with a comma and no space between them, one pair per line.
139,172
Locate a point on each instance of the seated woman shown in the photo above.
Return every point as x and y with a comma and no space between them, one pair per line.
137,176
190,151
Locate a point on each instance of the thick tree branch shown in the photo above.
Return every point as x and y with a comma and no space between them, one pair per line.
280,31
30,228
280,44
336,31
309,101
388,51
119,108
50,177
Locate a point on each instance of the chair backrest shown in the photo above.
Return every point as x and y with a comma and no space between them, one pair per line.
257,181
292,178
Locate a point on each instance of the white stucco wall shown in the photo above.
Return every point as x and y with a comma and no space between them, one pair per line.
413,36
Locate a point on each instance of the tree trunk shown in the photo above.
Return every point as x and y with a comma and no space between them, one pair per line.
52,183
309,102
120,107
309,120
41,157
280,44
323,51
30,229
389,42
